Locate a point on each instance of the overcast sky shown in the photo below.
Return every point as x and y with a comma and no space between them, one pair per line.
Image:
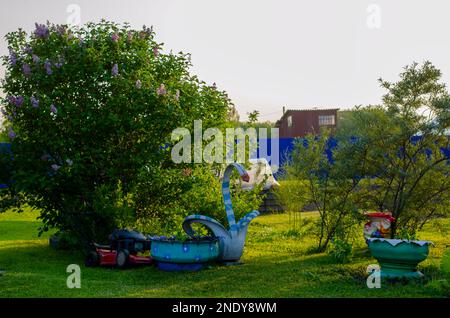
272,53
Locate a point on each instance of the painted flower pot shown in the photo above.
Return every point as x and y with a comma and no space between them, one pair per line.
399,258
379,225
175,255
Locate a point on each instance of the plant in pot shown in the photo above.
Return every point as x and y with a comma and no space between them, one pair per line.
407,164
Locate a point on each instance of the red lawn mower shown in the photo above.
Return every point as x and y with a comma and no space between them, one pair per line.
125,248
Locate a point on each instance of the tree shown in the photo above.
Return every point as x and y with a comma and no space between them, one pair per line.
253,117
331,169
392,157
407,149
90,113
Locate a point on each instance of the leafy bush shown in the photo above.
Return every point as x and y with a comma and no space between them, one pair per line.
445,263
196,190
440,286
405,147
331,175
64,241
292,194
392,157
340,251
3,134
90,113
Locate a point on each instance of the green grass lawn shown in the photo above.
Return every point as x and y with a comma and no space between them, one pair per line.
276,264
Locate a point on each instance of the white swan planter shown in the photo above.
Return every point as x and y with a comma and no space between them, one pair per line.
231,242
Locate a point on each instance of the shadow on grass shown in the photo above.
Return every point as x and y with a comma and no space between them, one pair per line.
20,230
35,270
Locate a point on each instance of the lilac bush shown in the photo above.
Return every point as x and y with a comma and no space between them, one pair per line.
89,110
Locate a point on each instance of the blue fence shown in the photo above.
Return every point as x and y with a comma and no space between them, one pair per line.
285,147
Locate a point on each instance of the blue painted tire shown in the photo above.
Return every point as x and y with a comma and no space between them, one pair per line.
195,251
177,267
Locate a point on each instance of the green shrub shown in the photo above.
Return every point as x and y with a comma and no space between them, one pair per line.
293,195
91,111
64,241
440,286
340,251
196,190
329,185
403,144
445,263
3,134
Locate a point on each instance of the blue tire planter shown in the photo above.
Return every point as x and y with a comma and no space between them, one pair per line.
178,267
189,255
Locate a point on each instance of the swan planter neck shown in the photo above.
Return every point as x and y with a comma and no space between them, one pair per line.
231,241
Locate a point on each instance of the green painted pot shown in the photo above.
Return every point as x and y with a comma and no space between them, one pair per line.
185,252
399,258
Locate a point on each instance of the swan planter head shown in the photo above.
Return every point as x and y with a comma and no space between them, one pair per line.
231,241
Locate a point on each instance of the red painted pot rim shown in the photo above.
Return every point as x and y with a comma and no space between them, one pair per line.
383,215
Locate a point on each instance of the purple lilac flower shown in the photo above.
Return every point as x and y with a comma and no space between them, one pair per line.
26,69
11,133
4,113
161,90
34,102
69,162
41,31
12,57
155,51
53,109
138,84
115,37
148,30
11,99
27,49
36,58
60,62
129,37
115,70
18,101
48,67
55,167
61,30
